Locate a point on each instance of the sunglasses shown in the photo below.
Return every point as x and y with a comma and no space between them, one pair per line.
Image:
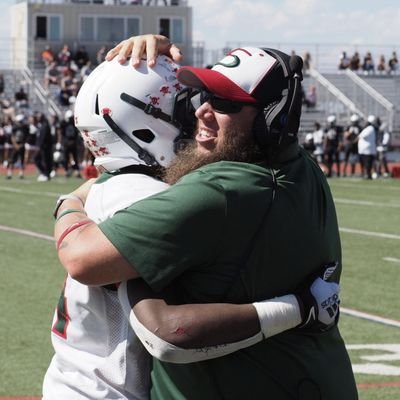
220,105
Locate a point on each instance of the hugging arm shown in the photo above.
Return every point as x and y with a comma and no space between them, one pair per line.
196,332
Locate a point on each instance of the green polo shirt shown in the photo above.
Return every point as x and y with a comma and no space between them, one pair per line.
237,232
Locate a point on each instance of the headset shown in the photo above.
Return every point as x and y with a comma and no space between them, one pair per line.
278,123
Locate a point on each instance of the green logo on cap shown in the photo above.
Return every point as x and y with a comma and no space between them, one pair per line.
232,64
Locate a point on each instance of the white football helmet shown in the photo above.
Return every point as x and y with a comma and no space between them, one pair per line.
126,115
354,118
372,119
331,119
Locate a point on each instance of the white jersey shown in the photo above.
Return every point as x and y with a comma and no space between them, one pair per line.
97,354
367,141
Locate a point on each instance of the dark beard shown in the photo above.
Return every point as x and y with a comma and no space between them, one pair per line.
236,147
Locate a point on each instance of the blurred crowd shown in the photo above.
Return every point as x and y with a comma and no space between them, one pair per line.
358,149
65,71
367,64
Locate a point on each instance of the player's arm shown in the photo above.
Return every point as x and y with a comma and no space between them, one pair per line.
197,332
83,250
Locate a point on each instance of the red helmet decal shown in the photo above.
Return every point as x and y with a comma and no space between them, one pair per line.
106,111
154,100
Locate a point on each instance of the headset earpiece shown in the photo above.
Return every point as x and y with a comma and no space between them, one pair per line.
279,121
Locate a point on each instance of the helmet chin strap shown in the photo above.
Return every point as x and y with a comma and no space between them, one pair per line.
142,153
147,108
181,140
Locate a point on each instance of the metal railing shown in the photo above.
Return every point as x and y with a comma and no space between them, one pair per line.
41,93
338,96
374,95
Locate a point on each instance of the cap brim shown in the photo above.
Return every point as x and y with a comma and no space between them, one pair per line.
213,81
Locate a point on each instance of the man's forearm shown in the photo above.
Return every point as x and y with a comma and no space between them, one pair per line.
84,251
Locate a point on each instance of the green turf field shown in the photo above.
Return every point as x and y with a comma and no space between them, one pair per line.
31,279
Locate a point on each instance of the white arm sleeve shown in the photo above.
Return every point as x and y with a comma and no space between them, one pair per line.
168,352
278,314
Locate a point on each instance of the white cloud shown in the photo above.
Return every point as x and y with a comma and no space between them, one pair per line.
294,21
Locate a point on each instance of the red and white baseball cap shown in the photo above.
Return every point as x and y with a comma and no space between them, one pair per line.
247,74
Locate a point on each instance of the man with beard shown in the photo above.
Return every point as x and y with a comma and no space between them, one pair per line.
235,226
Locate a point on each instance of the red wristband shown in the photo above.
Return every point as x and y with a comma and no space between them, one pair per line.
71,228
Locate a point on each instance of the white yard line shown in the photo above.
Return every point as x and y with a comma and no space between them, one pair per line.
392,259
370,317
366,203
385,186
23,191
25,232
369,233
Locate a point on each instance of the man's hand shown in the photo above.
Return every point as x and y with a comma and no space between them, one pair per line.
319,301
136,47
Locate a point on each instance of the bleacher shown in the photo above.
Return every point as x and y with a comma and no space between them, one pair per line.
13,80
386,86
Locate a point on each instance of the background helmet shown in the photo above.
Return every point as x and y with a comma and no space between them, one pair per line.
331,119
372,119
354,118
125,114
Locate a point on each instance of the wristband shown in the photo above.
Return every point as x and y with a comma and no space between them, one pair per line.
69,211
66,197
71,228
278,314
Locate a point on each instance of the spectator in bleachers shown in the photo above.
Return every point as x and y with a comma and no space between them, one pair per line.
306,63
69,85
155,2
355,62
367,147
17,154
101,54
64,57
350,146
47,56
86,70
21,98
381,67
2,84
51,75
368,64
7,108
393,63
333,143
344,61
310,98
81,57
